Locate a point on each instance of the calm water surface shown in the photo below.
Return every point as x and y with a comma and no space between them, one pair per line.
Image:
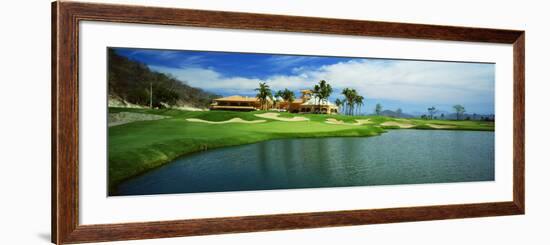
396,157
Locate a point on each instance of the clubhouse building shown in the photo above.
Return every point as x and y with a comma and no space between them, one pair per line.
238,103
307,103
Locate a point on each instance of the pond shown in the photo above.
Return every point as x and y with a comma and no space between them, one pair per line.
396,157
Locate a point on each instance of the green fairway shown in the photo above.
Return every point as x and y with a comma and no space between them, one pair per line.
137,147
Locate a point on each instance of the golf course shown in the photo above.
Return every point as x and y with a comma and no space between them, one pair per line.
187,121
141,140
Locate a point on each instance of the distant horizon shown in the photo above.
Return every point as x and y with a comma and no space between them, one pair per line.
411,85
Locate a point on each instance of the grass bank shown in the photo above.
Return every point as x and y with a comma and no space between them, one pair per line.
138,147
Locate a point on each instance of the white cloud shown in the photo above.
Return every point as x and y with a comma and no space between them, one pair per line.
406,81
209,79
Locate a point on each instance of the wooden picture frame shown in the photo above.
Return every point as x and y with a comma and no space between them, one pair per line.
65,121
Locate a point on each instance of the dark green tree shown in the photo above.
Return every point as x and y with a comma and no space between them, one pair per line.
264,93
459,110
378,109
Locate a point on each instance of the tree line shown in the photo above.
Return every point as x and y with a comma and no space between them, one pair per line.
459,114
321,92
432,111
351,104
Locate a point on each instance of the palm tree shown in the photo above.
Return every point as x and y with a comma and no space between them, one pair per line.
264,92
346,92
359,101
353,100
279,93
459,109
432,110
350,95
378,109
287,96
338,103
326,90
316,95
323,91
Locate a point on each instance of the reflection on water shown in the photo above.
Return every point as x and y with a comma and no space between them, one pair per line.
396,157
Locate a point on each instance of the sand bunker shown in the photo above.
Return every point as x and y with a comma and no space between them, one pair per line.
233,120
334,121
363,121
275,116
397,124
358,122
440,126
402,120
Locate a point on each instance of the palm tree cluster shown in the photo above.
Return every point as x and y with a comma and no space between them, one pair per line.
264,92
287,95
432,111
321,92
352,101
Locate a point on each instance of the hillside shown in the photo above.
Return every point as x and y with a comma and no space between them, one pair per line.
131,81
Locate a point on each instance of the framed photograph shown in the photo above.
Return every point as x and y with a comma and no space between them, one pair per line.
177,122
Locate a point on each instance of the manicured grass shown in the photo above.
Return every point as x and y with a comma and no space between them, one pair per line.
138,147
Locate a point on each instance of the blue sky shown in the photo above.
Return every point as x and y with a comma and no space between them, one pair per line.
259,66
410,85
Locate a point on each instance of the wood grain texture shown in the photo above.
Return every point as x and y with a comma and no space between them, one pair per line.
194,227
519,122
54,123
234,20
65,124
